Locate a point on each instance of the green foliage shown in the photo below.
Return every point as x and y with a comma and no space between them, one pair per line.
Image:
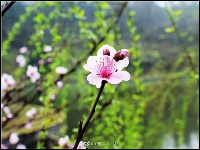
160,98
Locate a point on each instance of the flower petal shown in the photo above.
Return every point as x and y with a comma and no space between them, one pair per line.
122,63
94,80
110,48
91,64
113,80
121,75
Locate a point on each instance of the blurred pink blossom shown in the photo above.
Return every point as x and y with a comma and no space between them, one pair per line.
33,73
104,67
59,84
6,81
53,96
23,50
28,125
49,60
7,111
31,113
81,145
13,139
3,146
20,146
41,62
4,119
9,115
63,141
61,70
20,59
47,48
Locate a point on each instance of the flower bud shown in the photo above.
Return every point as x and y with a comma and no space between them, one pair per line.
120,55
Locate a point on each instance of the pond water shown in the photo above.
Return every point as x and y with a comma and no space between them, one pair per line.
193,143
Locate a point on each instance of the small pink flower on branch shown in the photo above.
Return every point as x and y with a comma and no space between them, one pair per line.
3,146
31,113
105,67
28,125
41,62
61,70
21,60
63,141
47,48
13,139
6,81
23,50
21,146
59,84
81,145
33,73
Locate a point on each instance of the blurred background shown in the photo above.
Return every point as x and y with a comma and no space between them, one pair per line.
157,108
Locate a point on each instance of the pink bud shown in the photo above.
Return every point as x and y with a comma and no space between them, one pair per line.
41,62
21,60
49,60
13,138
47,48
28,125
61,70
120,55
21,146
23,50
63,141
59,84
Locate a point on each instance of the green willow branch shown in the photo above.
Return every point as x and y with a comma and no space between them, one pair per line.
182,43
82,131
6,7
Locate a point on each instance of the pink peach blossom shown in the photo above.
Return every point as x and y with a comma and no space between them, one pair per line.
47,48
28,125
20,146
21,60
53,96
81,145
4,119
4,146
31,113
105,67
41,62
63,141
33,73
49,60
23,50
13,139
61,70
59,84
6,81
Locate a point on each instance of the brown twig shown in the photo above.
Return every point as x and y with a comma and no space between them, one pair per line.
6,7
82,130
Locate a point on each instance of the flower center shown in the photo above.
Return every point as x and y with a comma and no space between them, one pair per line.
32,74
105,67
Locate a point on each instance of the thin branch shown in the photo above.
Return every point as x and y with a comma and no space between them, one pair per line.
82,131
6,7
182,43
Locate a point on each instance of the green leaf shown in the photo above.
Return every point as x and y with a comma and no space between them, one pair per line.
131,13
169,30
177,12
105,5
